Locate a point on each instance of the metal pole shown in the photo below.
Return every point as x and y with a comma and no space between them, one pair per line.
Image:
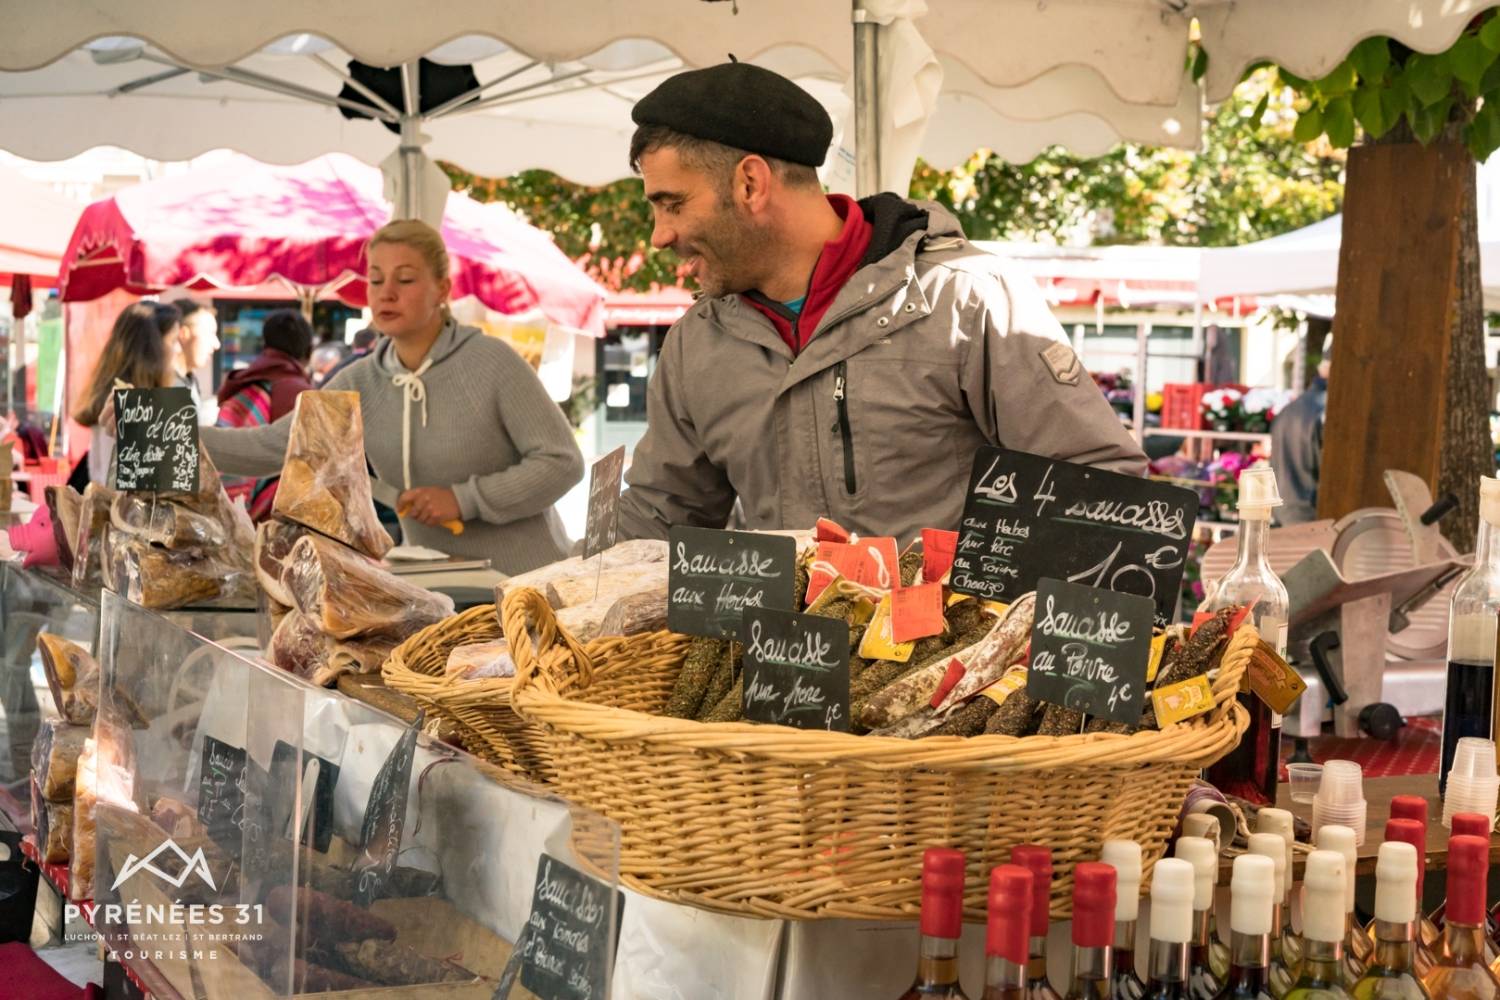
1142,332
411,146
866,103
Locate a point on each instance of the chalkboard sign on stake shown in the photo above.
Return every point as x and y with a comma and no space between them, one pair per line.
603,527
1026,517
156,441
796,669
569,940
713,577
221,791
1090,649
385,817
283,764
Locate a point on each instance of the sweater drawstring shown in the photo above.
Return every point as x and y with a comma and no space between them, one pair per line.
414,391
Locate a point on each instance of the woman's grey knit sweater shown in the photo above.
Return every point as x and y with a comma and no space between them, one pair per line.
492,435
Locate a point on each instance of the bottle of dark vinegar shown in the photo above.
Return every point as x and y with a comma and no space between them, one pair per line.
1469,705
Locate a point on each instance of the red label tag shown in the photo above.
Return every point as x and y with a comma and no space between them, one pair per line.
1238,618
835,559
883,561
829,531
1199,617
951,678
917,612
938,547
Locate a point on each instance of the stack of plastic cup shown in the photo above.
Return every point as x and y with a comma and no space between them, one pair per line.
1472,782
1341,798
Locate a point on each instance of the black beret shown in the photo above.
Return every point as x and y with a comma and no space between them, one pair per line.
743,106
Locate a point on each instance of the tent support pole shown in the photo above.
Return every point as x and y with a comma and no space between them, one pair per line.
1138,418
866,103
411,143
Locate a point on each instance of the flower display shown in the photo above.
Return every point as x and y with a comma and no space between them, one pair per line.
1251,411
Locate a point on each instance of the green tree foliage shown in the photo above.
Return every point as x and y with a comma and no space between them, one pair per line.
1385,87
1251,180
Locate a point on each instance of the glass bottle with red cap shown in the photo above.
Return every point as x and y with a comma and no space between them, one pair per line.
1414,807
942,922
1007,934
1037,860
1093,930
1459,972
1471,825
1392,974
1409,831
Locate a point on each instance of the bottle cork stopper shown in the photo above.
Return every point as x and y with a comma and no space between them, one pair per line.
1009,926
1093,905
1252,886
1124,856
1325,879
1270,845
1396,882
1203,855
1172,892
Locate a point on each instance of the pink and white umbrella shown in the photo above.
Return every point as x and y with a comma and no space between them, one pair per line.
240,223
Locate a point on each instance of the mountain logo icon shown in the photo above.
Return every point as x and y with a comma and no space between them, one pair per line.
192,864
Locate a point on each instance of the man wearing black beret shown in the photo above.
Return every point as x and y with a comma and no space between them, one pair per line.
846,359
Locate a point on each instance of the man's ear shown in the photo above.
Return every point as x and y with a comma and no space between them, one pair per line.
753,178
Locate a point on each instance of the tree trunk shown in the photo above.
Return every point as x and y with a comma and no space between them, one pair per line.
1409,389
1468,451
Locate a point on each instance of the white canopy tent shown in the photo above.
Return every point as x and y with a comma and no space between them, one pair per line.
557,80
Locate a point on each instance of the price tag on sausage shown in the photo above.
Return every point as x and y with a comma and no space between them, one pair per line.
1182,700
1089,650
938,547
917,612
568,947
713,577
1026,517
156,441
879,643
796,669
869,562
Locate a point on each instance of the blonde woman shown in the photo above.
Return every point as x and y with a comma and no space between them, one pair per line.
455,419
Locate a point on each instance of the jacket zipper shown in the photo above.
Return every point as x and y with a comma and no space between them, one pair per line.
840,386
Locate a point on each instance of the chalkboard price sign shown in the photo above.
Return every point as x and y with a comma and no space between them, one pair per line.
713,577
569,941
796,669
385,817
1090,649
1027,517
603,527
156,441
221,791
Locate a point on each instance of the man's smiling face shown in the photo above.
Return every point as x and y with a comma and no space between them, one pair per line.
697,218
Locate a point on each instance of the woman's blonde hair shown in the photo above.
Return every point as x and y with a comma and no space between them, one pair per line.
420,237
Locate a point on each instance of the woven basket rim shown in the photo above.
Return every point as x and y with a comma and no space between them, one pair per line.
1185,742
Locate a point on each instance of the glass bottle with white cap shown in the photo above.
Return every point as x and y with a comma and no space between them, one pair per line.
1207,826
1281,823
1124,856
1252,885
1171,929
1204,979
1250,770
1469,708
1392,974
1359,948
1321,974
1270,845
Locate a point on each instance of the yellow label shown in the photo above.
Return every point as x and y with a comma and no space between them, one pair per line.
1012,681
864,610
879,642
1273,680
828,596
996,608
956,598
1182,700
1158,646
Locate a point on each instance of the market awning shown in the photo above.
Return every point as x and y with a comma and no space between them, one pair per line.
661,307
238,223
35,222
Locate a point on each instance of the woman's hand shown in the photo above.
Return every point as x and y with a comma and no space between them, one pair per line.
431,505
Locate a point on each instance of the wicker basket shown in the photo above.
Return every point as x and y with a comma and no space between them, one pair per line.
480,708
778,822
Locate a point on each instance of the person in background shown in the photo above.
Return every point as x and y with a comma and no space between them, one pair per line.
457,421
193,350
1297,446
326,359
264,392
363,343
139,351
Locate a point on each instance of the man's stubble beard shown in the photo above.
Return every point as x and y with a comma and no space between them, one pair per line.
741,250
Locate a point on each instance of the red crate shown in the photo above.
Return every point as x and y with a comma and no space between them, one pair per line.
1182,405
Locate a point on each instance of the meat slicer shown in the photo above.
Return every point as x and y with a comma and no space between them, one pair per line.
1369,596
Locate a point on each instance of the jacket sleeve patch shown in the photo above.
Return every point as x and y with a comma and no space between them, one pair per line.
1064,365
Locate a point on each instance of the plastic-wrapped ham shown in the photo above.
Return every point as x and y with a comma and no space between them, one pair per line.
299,647
166,523
346,595
324,482
273,544
569,582
72,676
